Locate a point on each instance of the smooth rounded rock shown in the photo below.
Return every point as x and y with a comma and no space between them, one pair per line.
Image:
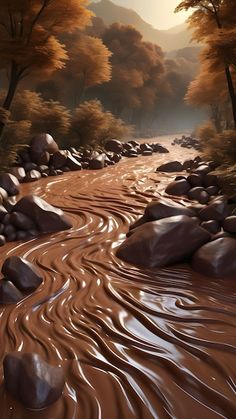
195,180
229,224
48,219
217,258
10,183
212,190
212,226
9,294
23,274
21,221
73,163
59,159
195,193
2,240
41,146
216,210
18,172
97,163
114,145
31,380
178,188
211,180
172,166
163,242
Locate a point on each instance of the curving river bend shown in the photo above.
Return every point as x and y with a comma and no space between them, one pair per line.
134,343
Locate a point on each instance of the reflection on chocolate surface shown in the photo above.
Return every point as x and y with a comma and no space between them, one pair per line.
133,343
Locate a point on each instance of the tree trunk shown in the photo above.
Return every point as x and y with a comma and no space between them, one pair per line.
13,83
232,93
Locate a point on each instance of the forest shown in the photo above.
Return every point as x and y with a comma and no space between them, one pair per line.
65,72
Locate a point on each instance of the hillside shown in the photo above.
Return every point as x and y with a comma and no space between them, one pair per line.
173,39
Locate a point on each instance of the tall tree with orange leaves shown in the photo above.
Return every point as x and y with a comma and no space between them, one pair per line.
214,23
29,44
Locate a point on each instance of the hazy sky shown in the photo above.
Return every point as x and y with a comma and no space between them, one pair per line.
160,13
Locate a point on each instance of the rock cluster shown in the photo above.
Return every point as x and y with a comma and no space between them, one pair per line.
28,218
187,142
43,158
204,230
20,277
31,380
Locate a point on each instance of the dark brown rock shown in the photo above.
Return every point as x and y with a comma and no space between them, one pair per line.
229,224
2,240
158,148
162,208
147,152
10,183
24,155
114,145
3,212
202,170
73,163
59,159
97,163
212,226
163,242
179,187
41,146
47,218
211,180
30,166
22,235
195,180
203,197
188,164
216,210
217,258
172,166
31,380
21,221
195,193
212,190
21,273
9,294
43,168
18,172
32,176
3,195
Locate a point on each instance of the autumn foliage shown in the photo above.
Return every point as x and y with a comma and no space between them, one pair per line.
29,38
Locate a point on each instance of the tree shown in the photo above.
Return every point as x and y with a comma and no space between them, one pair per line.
29,44
214,23
30,114
92,125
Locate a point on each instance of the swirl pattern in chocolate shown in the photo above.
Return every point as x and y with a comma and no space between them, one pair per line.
134,343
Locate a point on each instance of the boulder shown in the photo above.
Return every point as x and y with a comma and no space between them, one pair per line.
41,146
10,183
21,221
3,212
229,224
59,159
31,380
158,148
162,208
216,210
163,242
212,190
97,162
47,218
178,188
32,176
9,294
212,226
3,195
195,193
217,258
172,166
211,180
21,273
18,172
114,145
2,240
195,180
73,163
203,169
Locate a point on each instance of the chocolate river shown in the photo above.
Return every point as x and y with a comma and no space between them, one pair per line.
134,343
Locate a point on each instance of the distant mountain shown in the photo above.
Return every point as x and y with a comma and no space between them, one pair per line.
173,39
